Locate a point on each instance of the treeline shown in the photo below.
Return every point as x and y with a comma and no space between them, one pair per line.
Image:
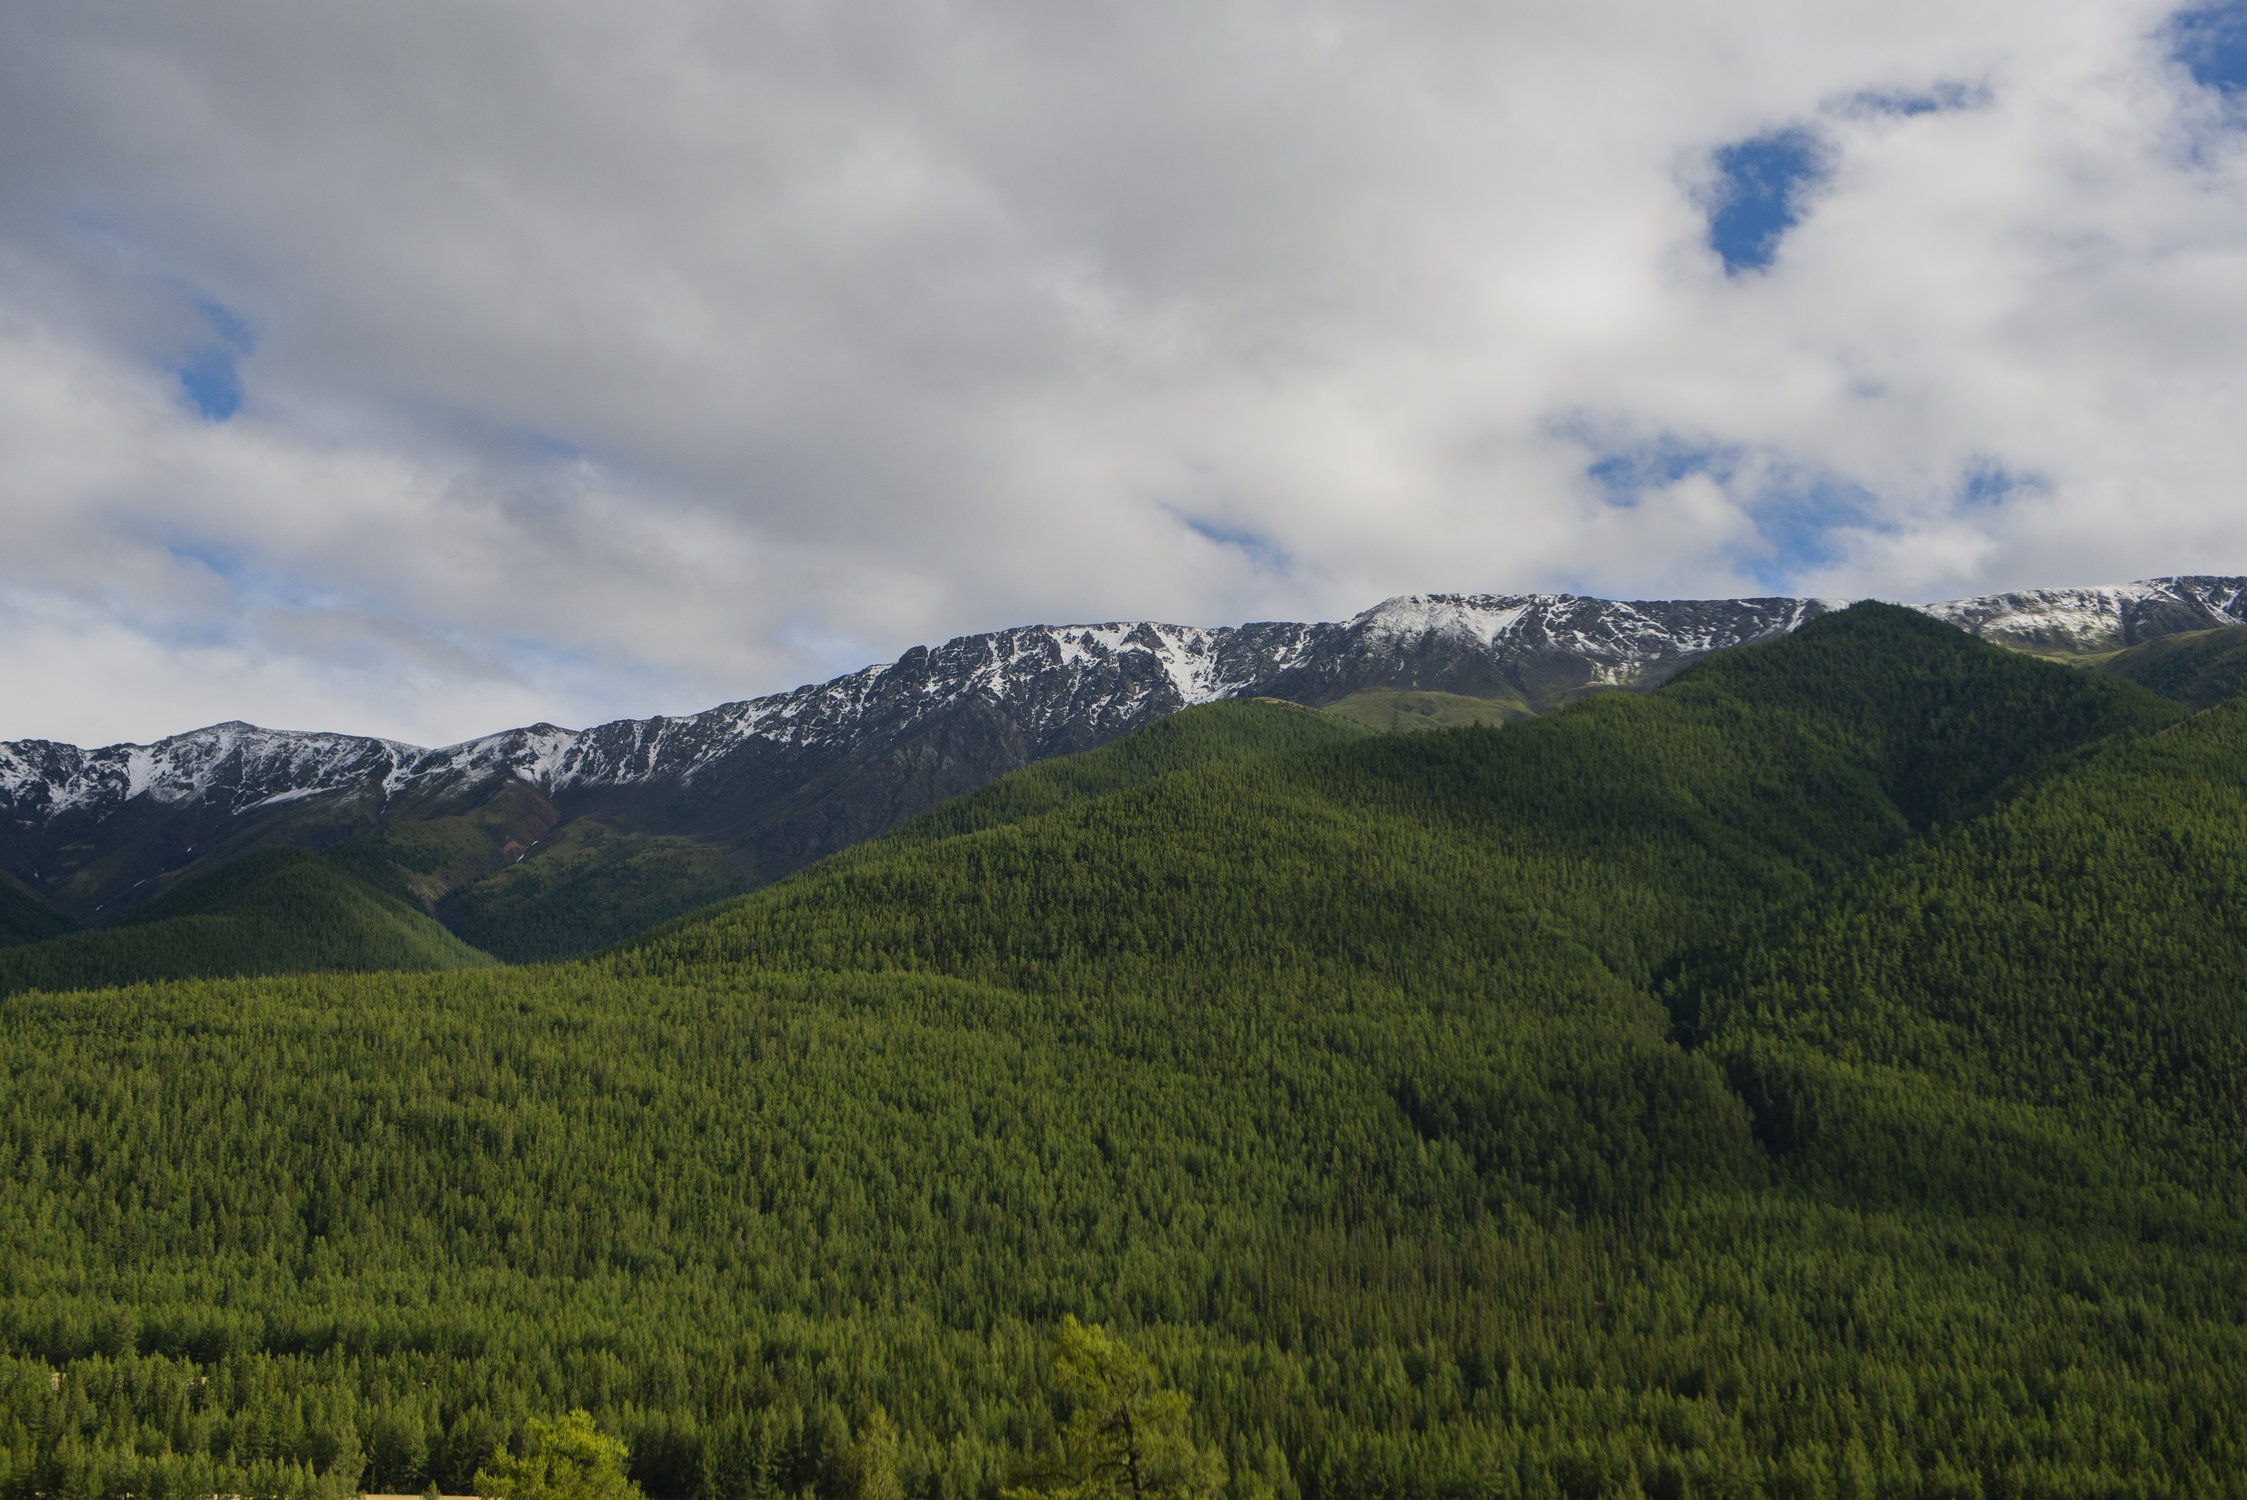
1611,1104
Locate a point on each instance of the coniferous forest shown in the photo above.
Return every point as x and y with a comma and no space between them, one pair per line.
1824,1075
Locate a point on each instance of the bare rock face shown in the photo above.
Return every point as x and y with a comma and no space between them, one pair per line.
781,780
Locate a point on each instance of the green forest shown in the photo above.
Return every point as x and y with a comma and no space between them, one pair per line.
1821,1076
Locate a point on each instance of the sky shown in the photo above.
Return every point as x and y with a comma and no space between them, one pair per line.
430,368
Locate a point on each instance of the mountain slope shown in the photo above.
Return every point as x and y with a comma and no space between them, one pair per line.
2200,668
587,886
24,918
274,911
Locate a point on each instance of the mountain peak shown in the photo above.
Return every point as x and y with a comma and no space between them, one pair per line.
1482,617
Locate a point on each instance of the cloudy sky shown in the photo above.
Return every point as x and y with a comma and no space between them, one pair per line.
429,367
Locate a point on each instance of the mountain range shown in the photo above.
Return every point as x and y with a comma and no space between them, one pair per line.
543,841
1817,1075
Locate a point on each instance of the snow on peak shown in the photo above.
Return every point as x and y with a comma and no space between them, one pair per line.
1479,617
538,754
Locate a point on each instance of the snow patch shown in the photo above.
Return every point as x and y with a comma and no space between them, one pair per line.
293,794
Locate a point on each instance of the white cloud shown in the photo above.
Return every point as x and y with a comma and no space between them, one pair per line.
621,358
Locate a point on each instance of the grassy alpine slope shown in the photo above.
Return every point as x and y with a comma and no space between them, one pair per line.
1400,710
1395,1094
273,911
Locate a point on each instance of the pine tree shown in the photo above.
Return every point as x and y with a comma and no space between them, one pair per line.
870,1469
1127,1439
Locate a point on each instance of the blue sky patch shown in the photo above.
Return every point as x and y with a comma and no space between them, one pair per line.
1941,98
2211,42
225,562
251,582
1261,550
1800,524
547,448
1803,516
213,383
1626,473
1760,187
211,374
1988,482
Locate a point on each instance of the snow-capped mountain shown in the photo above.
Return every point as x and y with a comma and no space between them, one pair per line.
236,763
1058,688
783,779
2099,619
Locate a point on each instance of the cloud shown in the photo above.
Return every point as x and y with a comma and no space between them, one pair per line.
618,359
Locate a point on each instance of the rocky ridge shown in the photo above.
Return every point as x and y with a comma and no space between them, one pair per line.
780,780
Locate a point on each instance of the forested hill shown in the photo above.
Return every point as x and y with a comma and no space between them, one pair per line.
273,911
1799,1080
1628,827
